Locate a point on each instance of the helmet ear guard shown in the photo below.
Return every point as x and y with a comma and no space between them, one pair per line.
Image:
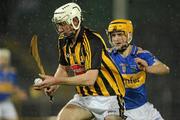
67,13
121,25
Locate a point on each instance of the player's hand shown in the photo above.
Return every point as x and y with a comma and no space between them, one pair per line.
46,83
51,90
142,64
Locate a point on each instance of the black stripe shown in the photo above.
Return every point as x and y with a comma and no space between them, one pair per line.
82,54
77,91
121,107
118,22
115,66
97,88
82,91
88,90
107,84
109,70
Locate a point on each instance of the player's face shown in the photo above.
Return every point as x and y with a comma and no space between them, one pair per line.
3,61
64,29
119,40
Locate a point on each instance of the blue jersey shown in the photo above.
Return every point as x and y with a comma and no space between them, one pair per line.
7,82
134,78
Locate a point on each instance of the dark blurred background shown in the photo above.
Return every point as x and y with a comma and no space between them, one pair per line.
156,28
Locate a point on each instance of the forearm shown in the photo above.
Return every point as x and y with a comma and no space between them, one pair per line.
86,79
159,69
60,72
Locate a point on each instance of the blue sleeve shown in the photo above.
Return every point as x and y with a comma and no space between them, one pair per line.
148,57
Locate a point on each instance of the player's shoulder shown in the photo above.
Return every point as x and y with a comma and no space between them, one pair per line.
92,33
141,50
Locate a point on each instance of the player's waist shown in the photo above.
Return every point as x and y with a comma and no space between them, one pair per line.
135,97
85,91
4,96
130,104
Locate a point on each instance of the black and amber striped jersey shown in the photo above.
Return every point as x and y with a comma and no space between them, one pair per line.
89,52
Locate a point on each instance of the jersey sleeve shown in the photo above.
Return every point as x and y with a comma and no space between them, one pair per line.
95,53
62,59
148,57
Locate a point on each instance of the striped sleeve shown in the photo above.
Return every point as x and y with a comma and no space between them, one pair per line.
62,60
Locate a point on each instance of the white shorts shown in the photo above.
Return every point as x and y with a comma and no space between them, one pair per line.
7,110
99,106
144,112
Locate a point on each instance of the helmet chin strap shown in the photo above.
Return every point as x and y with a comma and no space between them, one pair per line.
70,37
123,48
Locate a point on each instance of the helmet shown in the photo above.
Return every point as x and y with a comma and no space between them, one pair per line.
66,13
122,25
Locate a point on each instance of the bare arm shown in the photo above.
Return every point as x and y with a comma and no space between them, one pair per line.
87,78
59,73
158,68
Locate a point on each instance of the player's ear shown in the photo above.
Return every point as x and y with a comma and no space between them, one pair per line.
76,21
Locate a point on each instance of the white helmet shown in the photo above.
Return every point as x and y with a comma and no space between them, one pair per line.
66,13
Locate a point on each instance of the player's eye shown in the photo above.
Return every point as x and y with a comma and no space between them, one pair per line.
61,23
121,33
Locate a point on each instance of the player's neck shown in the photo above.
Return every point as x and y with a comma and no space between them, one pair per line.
127,51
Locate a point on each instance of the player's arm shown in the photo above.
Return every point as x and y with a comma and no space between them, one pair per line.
150,64
158,68
60,72
87,78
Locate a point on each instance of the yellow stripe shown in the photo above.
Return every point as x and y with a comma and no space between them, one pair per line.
102,86
71,57
115,73
101,40
78,90
93,90
88,50
77,53
109,79
85,91
64,49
